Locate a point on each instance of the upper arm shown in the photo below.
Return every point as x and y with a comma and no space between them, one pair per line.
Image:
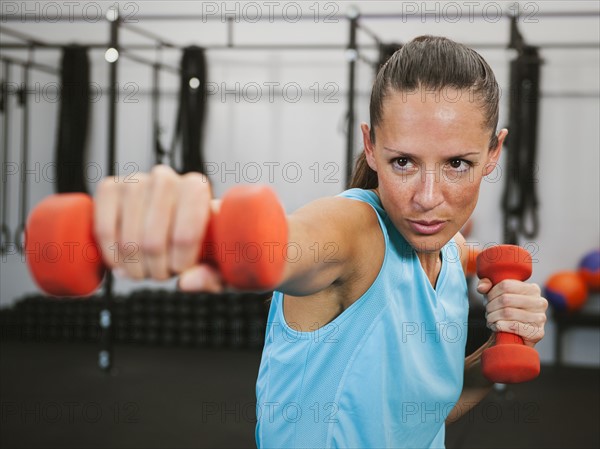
324,241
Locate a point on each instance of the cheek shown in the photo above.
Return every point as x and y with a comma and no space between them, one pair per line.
396,194
463,193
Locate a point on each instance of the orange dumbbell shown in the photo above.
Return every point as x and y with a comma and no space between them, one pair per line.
245,240
509,360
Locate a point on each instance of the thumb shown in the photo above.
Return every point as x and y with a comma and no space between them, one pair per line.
484,286
202,278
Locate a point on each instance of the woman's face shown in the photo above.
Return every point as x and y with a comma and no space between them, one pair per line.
431,153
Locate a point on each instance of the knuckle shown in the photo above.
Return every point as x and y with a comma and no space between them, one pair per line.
136,183
509,314
162,172
196,178
152,246
195,185
544,303
540,334
104,232
161,276
106,185
127,247
500,286
537,291
164,184
134,178
185,238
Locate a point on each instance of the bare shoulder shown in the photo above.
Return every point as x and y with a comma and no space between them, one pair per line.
318,292
329,235
335,216
463,249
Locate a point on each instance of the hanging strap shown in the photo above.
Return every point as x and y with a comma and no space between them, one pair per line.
192,110
4,229
519,200
73,120
23,192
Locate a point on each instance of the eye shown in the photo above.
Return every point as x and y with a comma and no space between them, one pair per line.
460,165
402,163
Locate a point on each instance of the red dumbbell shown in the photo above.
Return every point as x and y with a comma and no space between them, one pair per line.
246,241
509,361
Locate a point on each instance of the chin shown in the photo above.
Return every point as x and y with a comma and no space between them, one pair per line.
428,243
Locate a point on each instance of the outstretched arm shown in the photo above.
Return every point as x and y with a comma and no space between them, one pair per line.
166,216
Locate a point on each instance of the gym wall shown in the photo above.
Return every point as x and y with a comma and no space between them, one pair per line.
301,142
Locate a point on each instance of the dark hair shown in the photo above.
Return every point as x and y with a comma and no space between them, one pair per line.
432,63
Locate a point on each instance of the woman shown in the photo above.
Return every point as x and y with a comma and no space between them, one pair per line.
365,342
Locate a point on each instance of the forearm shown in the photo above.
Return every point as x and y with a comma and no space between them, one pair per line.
475,386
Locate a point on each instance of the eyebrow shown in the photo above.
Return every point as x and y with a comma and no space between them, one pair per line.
405,154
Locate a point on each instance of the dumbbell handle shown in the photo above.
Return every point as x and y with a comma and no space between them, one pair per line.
244,240
509,360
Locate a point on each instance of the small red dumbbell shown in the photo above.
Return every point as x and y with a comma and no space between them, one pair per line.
246,241
509,360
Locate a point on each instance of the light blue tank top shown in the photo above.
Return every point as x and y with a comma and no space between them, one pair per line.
385,373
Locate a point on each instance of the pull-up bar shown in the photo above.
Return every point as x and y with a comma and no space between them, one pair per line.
406,15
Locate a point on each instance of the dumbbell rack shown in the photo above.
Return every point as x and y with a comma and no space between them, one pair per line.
144,317
585,318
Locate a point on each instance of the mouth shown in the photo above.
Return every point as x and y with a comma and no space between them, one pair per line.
427,227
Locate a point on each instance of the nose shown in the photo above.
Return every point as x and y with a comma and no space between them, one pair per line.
429,190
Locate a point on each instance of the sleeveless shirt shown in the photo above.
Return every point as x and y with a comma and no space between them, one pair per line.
386,372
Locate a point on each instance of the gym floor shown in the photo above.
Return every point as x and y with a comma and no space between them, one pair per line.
52,395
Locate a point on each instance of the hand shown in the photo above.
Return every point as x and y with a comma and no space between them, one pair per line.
151,225
516,307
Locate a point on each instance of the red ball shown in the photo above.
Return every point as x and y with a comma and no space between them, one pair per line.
566,291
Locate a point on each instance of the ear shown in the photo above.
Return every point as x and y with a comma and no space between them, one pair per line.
494,154
368,146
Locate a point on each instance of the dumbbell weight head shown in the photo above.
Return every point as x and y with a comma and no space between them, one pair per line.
62,254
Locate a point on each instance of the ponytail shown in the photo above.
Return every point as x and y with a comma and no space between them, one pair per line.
363,176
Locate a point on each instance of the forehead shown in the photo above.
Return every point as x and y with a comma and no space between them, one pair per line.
445,114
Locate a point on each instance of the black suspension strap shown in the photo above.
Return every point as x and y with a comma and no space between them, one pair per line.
73,120
5,108
23,192
519,200
192,110
161,156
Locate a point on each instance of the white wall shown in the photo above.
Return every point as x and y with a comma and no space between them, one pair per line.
308,132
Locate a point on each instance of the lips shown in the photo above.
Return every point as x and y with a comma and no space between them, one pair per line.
427,227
